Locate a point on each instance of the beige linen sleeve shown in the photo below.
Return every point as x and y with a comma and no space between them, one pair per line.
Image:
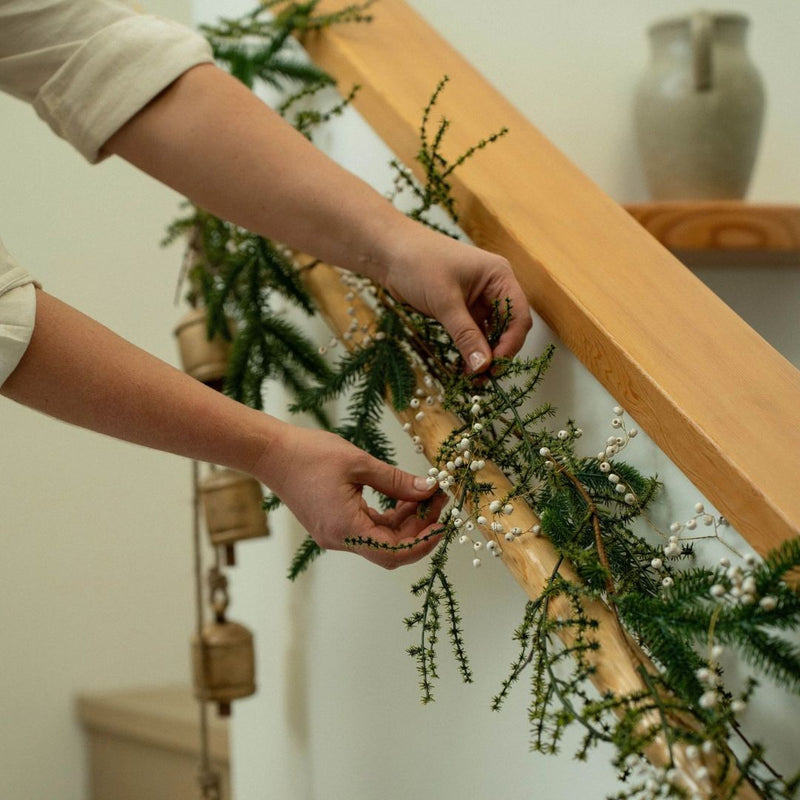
88,66
17,312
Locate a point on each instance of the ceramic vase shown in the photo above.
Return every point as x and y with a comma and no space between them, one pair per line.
698,109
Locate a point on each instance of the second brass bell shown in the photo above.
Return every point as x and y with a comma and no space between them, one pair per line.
223,663
232,502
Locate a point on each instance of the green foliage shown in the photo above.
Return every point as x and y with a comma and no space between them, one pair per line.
308,551
378,371
307,119
436,190
261,46
238,275
436,590
588,508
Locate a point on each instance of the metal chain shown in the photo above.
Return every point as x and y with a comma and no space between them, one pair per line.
218,592
208,780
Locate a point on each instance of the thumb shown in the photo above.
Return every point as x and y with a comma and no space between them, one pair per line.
467,337
396,483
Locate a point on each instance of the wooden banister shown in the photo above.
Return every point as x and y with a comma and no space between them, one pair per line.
717,399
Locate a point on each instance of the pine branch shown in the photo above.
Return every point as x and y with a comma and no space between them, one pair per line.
308,551
281,274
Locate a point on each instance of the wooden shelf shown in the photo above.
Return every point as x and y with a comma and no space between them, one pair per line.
723,226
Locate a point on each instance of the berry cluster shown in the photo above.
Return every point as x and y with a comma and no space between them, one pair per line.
614,445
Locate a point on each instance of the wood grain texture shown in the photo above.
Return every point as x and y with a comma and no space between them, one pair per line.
721,225
720,402
532,560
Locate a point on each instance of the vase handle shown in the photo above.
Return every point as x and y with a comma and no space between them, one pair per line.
701,31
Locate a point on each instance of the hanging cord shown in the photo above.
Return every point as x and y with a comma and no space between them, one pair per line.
218,593
207,778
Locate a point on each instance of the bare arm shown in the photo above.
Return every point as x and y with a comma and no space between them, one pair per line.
211,139
80,372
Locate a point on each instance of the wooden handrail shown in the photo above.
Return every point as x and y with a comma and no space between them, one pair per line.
717,399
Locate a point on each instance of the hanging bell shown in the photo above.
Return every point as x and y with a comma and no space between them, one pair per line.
223,664
232,502
203,358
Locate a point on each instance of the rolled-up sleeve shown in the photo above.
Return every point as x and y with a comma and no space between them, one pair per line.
17,313
88,66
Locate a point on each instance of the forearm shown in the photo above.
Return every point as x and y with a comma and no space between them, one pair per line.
80,372
213,140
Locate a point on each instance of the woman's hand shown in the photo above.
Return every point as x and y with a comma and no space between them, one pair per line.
320,477
458,284
78,371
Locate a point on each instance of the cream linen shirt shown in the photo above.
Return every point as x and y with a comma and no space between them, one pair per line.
87,67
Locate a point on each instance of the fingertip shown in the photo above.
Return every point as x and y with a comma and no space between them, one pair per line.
424,485
395,483
478,361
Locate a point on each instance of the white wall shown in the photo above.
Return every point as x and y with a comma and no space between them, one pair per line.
95,582
338,715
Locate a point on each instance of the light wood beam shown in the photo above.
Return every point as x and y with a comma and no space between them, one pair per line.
720,402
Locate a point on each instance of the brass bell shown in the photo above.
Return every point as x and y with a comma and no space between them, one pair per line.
223,664
203,358
232,502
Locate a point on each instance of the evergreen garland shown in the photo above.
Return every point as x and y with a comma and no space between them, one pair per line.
262,44
589,508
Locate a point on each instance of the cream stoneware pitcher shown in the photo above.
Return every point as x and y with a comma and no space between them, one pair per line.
698,109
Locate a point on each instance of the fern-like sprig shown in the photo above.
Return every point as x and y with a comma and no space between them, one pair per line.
261,44
377,372
436,590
